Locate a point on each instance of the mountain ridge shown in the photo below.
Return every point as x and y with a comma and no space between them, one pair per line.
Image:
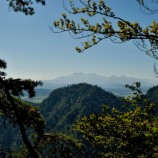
66,105
95,79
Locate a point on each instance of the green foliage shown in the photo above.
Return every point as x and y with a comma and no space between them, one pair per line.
28,119
132,133
152,93
31,117
66,105
28,114
4,152
108,26
24,6
55,145
17,112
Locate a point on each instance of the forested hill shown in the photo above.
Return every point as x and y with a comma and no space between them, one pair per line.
152,93
66,105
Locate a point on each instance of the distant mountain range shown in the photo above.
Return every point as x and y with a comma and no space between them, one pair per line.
115,84
109,82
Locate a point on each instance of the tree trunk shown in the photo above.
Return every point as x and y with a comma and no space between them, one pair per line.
28,144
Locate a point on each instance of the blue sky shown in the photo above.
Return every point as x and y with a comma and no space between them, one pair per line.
33,51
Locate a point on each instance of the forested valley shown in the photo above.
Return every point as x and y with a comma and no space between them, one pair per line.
82,120
62,111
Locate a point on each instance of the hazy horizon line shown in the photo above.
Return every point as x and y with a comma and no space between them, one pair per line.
101,75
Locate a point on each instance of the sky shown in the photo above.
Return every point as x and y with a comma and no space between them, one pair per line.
33,51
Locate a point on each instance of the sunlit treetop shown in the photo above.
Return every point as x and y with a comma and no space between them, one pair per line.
116,133
108,26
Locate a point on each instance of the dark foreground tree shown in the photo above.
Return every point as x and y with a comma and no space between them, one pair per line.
24,6
30,122
118,134
16,111
108,26
54,145
13,109
27,117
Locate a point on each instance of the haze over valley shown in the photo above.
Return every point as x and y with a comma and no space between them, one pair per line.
108,83
113,84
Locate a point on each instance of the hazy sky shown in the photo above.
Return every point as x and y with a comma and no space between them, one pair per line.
33,51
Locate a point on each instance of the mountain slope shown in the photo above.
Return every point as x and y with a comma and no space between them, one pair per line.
66,105
152,94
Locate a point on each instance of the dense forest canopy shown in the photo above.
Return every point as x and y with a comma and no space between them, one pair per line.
65,106
113,133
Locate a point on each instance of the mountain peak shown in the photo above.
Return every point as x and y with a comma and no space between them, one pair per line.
95,79
66,105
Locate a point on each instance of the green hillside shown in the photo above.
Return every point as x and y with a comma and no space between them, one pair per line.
66,105
152,93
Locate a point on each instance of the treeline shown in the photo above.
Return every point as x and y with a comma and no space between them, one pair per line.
93,120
